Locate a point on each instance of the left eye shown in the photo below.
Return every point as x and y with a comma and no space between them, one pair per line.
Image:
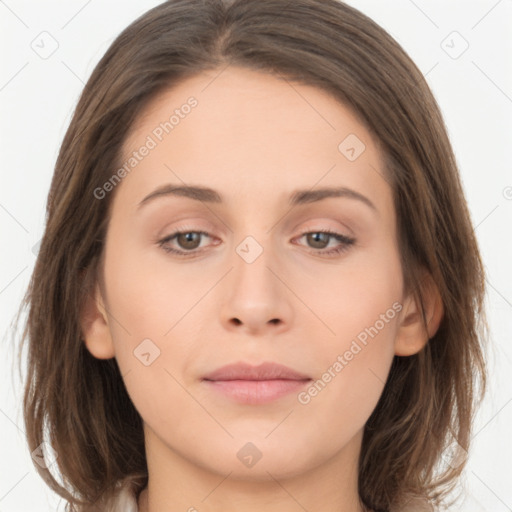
320,240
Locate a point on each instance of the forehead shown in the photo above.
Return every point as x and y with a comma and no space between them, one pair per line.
249,103
251,132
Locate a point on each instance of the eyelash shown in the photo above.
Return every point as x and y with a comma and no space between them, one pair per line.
345,241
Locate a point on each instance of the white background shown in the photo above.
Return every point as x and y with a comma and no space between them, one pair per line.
37,97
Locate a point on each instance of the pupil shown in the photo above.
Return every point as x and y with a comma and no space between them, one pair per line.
186,240
317,238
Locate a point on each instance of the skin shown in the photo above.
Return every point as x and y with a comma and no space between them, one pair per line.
255,139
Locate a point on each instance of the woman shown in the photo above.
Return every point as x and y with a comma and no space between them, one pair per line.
259,286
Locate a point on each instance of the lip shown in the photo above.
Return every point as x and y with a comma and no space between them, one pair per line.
264,371
260,384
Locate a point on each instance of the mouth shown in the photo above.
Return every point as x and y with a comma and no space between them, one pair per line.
261,384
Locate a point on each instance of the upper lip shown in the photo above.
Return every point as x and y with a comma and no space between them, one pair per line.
264,371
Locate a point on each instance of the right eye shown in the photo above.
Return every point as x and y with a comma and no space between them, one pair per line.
188,240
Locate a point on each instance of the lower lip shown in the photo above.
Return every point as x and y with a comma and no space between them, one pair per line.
257,391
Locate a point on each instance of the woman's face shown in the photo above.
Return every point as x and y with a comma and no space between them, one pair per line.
261,284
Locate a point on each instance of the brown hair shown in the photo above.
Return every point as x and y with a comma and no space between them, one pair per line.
429,399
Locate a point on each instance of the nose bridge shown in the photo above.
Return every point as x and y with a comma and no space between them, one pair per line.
256,298
253,258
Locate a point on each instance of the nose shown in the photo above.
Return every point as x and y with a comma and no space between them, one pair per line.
256,299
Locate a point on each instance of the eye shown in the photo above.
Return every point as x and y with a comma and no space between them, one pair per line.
187,240
320,239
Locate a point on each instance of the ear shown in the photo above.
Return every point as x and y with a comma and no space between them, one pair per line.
94,325
412,335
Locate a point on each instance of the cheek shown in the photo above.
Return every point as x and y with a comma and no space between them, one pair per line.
147,295
361,308
146,308
362,293
154,314
351,373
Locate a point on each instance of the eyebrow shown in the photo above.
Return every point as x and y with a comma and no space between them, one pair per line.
298,197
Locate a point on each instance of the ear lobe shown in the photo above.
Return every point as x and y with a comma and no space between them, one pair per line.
412,335
94,326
